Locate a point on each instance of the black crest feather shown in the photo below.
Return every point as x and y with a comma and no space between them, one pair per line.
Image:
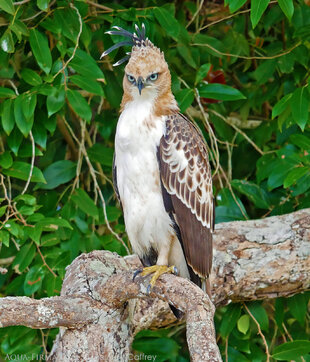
134,39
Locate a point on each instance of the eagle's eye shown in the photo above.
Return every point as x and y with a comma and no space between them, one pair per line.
153,77
130,78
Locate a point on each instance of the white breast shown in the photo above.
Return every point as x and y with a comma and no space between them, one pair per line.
137,137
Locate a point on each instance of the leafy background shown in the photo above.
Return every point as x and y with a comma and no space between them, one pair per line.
244,64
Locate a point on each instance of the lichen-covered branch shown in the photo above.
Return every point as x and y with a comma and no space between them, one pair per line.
102,308
69,311
260,259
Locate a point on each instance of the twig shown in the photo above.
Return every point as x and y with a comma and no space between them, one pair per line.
226,349
259,331
77,42
13,86
238,130
21,2
44,344
6,261
44,262
196,13
232,193
33,150
246,57
229,17
103,7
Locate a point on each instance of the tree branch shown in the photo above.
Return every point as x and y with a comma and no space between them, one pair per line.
102,308
261,259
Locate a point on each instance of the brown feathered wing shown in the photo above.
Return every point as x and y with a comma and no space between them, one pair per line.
186,177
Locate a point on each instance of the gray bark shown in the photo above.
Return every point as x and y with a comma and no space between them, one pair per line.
101,308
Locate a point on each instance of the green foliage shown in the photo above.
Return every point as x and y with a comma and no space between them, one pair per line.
59,108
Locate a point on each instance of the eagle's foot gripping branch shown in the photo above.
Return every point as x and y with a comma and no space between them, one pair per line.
157,270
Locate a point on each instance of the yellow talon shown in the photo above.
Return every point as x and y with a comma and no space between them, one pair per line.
158,270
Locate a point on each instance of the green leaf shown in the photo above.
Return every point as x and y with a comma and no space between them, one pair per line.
21,170
164,349
39,134
79,105
43,4
69,20
50,239
279,172
184,98
264,72
291,350
19,28
85,203
254,193
2,212
29,104
186,54
31,77
53,223
228,210
6,93
25,256
15,140
260,314
5,238
28,199
234,5
287,7
84,64
243,323
41,50
299,105
24,124
167,21
14,229
298,307
210,44
7,42
8,121
58,173
294,175
7,6
101,154
279,312
6,159
55,101
90,85
33,280
281,105
219,91
301,141
258,7
202,72
230,319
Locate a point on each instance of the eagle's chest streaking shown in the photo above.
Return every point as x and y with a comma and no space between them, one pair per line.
137,138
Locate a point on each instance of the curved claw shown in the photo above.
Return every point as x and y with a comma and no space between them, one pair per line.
175,270
137,272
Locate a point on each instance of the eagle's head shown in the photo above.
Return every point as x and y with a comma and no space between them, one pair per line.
146,73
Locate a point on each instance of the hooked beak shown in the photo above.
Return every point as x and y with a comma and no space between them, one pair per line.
140,84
